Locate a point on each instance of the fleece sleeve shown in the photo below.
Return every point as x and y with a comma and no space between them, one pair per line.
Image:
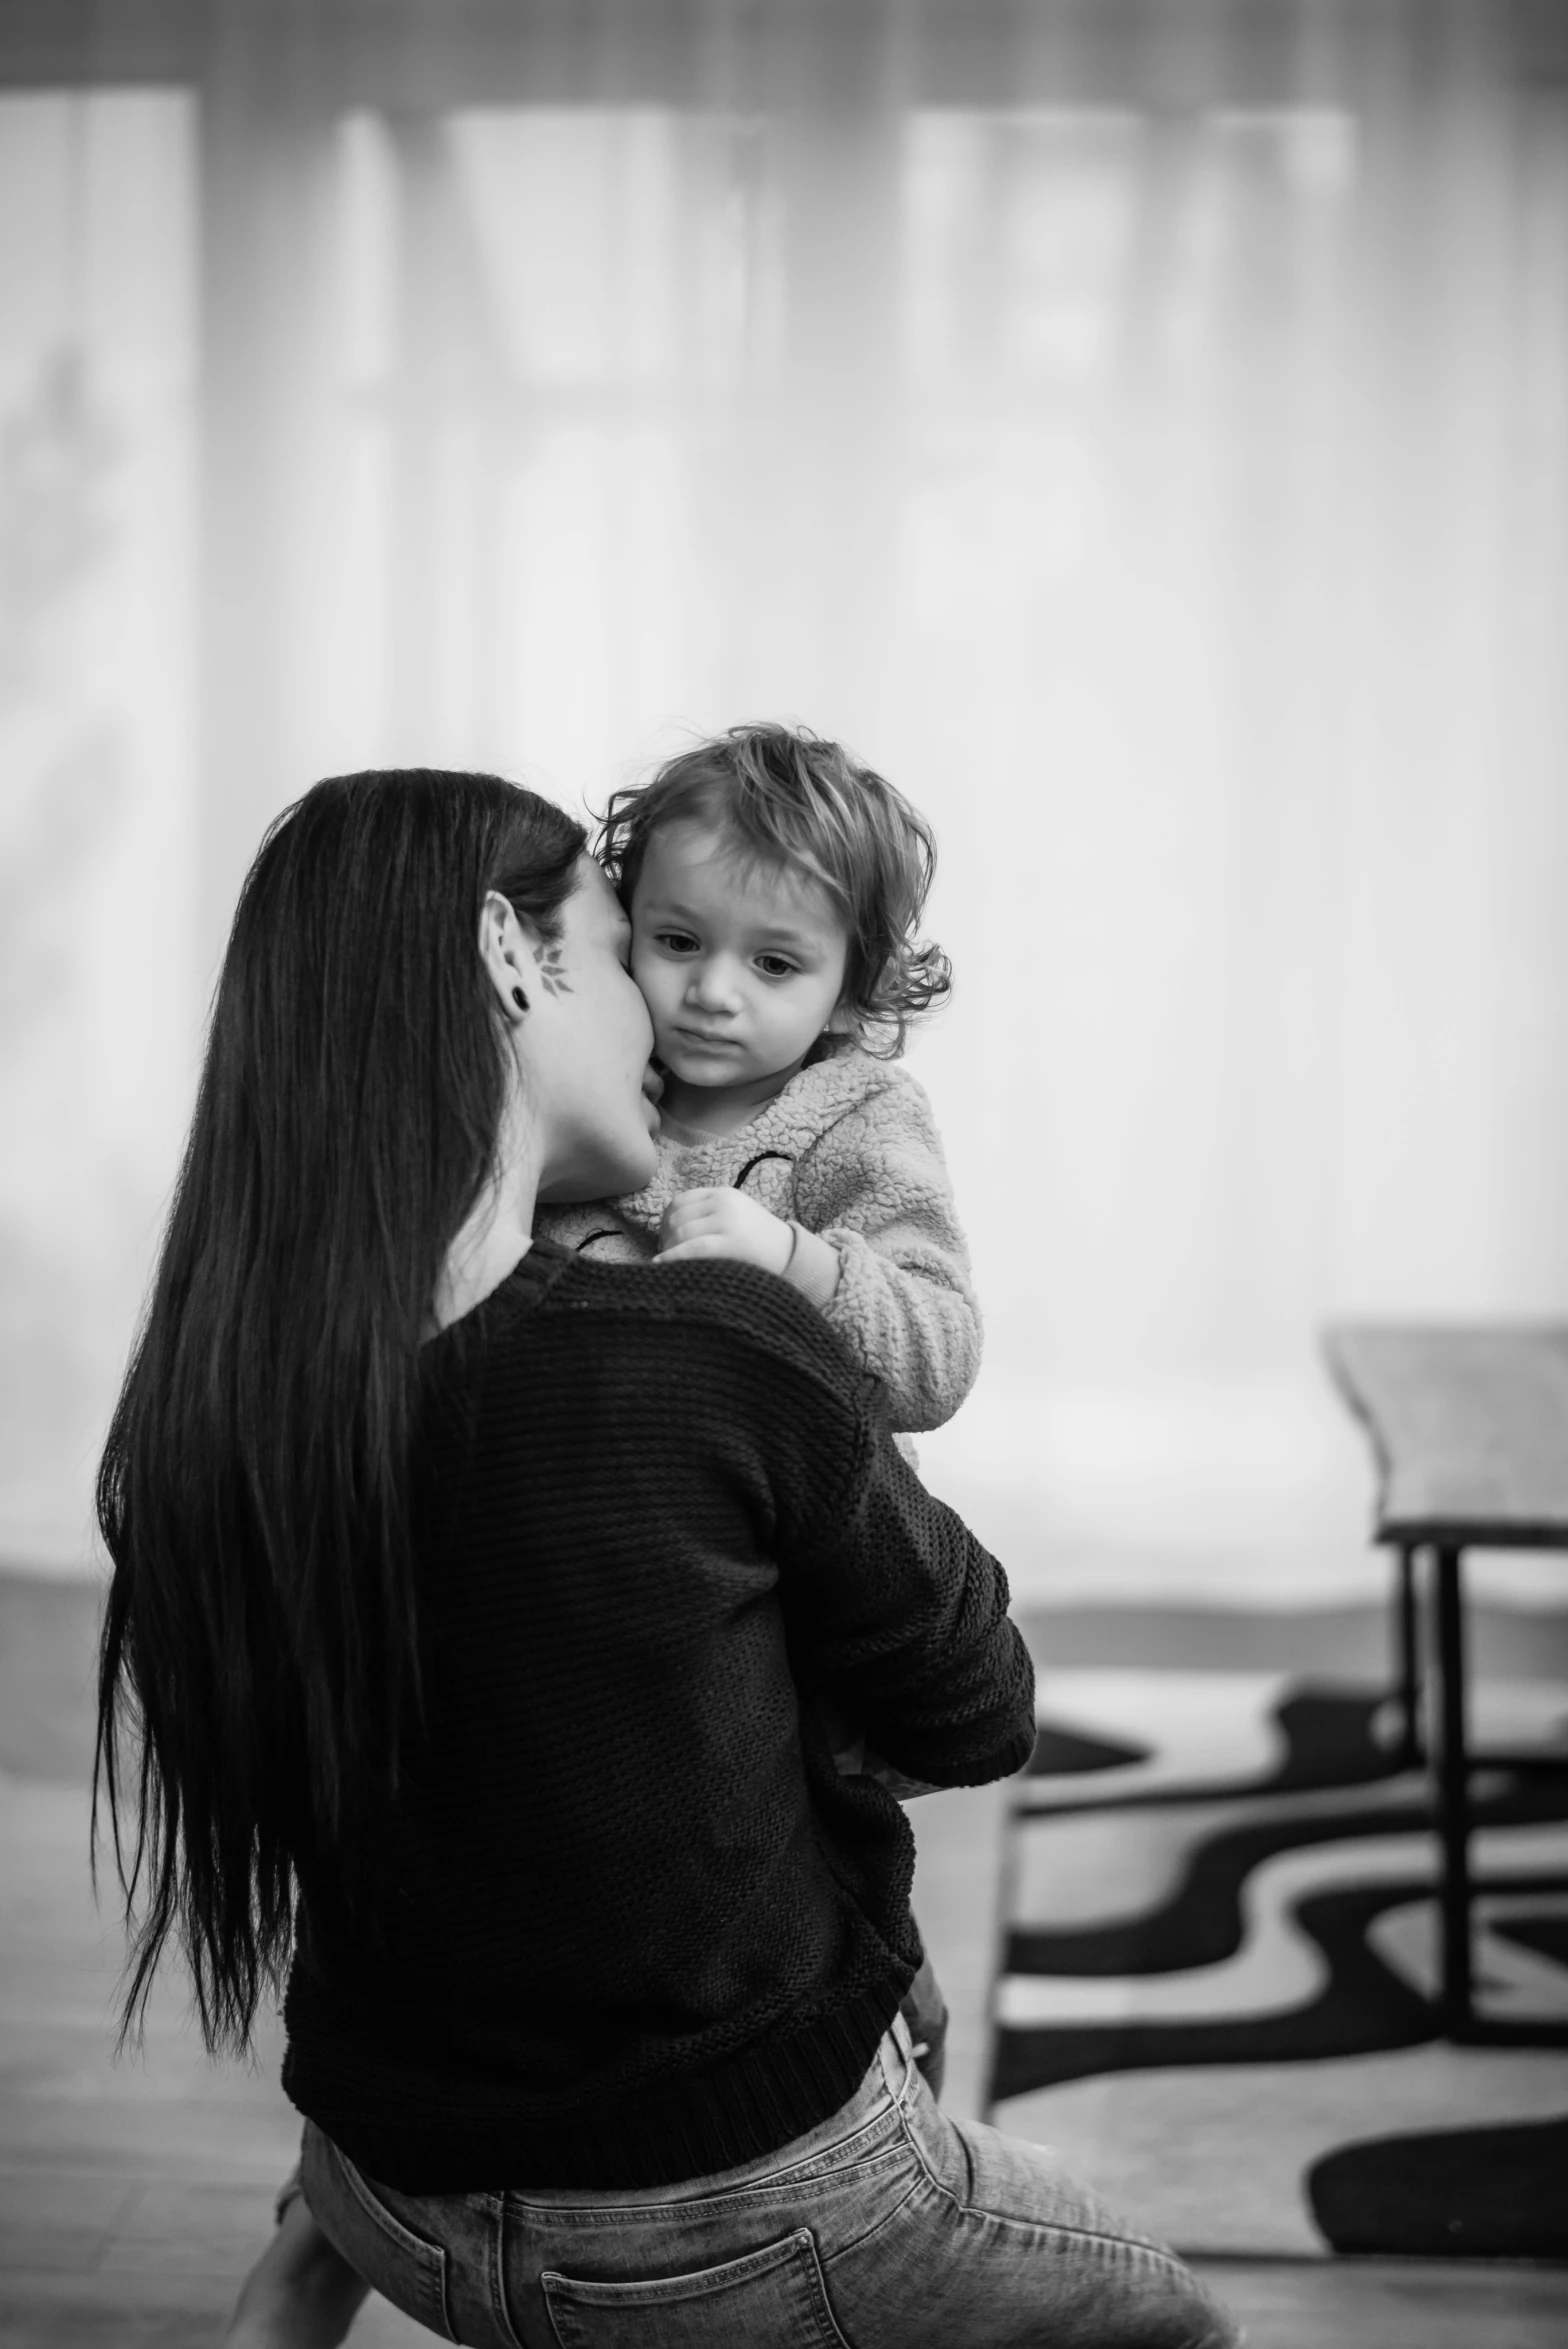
875,1187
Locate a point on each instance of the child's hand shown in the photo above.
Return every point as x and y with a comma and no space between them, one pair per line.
716,1222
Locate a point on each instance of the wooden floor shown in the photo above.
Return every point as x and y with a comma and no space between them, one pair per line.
134,2196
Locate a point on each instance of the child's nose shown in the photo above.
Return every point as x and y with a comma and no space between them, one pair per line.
713,985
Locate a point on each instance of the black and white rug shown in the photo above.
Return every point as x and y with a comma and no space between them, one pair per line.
1219,1940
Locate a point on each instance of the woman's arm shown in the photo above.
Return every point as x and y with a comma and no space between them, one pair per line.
739,1388
895,1606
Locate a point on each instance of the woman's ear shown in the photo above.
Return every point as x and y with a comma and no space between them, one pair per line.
504,953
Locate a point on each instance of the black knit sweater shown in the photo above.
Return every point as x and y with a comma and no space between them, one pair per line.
629,1923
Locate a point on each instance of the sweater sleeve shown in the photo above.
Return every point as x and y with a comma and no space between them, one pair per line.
875,1186
903,1614
890,1603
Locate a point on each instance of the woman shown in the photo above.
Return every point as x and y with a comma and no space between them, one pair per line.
463,1595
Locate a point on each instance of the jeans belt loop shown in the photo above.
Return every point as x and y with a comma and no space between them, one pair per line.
898,2032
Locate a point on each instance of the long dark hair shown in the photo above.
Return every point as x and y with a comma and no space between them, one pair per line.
259,1639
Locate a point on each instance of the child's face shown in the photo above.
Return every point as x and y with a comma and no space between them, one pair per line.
742,966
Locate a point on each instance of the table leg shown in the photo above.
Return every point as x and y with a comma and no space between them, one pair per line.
1407,1638
1453,1797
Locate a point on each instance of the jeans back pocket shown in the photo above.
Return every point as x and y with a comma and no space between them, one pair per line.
770,2299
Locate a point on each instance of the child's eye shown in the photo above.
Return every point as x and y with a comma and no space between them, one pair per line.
774,966
676,941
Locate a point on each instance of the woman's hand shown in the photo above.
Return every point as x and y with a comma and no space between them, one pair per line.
717,1222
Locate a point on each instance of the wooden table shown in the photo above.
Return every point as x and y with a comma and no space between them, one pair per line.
1470,1430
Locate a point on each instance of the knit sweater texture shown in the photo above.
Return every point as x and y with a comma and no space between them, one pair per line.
627,1923
849,1150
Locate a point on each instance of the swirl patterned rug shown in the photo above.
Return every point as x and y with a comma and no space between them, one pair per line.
1218,1939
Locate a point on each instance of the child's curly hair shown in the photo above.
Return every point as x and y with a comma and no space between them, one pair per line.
790,798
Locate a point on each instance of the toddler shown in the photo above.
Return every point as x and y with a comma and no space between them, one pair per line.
774,889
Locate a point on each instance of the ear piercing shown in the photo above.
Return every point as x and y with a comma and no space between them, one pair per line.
520,999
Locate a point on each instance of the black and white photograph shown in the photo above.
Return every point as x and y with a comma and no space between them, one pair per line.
784,1174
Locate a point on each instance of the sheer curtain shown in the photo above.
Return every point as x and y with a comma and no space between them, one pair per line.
1139,432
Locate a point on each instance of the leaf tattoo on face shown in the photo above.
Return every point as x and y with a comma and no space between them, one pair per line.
551,959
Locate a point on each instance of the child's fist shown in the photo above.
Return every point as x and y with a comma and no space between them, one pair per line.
716,1222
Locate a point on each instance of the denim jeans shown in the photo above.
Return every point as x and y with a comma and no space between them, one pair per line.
924,2009
888,2226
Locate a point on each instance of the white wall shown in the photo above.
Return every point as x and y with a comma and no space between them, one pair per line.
1160,472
